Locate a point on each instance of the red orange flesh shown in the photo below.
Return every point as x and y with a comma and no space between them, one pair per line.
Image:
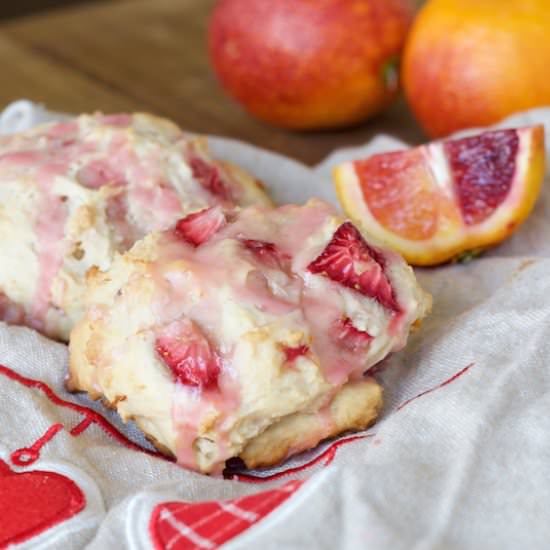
436,201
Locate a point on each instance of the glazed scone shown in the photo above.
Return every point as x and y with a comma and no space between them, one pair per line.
245,334
74,193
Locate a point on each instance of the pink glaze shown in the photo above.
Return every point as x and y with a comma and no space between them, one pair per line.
267,254
47,164
27,153
244,256
210,177
36,156
46,160
191,408
206,270
159,201
50,224
22,158
66,130
396,323
177,290
321,310
120,120
256,292
160,198
189,412
350,337
100,172
105,158
300,224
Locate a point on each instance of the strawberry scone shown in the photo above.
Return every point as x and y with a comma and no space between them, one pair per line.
245,334
73,193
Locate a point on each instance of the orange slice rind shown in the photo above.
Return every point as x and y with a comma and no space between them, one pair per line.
434,202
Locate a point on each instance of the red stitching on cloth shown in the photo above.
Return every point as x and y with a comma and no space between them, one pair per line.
188,526
443,384
93,416
328,455
34,501
79,428
28,455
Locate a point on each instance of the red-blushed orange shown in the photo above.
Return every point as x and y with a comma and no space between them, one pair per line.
309,64
471,63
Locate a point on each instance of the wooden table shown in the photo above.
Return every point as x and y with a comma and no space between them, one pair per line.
150,55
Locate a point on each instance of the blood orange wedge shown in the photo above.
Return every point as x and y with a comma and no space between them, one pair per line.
435,202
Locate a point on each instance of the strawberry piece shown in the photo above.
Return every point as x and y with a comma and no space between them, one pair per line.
350,337
189,356
350,261
197,228
209,177
266,252
293,353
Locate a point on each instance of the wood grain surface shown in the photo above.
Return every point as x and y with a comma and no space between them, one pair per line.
150,55
21,7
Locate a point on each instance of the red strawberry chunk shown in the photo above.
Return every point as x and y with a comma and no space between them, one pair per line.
350,337
190,357
210,178
197,228
295,352
267,253
350,261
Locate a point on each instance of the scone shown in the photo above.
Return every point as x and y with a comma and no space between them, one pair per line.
245,334
74,193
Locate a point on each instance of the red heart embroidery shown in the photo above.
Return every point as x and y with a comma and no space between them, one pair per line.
31,502
186,526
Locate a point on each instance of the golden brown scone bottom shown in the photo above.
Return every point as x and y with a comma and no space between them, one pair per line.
354,408
293,343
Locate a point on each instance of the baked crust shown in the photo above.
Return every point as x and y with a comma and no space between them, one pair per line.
76,193
355,407
277,393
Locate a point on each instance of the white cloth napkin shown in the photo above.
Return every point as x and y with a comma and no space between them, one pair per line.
459,458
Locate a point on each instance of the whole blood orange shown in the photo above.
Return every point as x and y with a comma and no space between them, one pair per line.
309,64
434,202
470,63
